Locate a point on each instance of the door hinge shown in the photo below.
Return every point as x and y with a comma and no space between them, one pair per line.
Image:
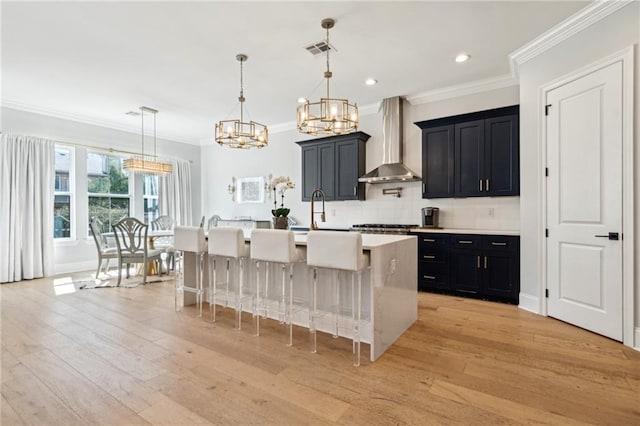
546,292
546,109
546,232
546,172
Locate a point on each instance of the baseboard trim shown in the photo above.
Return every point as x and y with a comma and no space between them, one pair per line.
67,268
636,341
529,303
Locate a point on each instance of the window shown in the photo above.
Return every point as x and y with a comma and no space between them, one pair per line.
108,189
62,193
150,195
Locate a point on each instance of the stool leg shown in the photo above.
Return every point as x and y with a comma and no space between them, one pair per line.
199,272
179,284
256,310
226,297
336,306
312,309
213,276
357,295
283,297
239,284
290,313
265,299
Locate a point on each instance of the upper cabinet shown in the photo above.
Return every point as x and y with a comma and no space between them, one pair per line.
334,164
471,155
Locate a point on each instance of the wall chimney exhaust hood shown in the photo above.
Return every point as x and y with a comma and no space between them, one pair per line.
391,169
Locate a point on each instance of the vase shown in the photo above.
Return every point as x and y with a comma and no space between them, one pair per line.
281,222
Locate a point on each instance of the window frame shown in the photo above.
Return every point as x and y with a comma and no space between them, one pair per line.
71,193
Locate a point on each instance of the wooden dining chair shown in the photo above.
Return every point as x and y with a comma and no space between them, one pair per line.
132,244
165,223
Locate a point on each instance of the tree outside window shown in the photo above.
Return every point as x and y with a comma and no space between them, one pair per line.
108,188
62,193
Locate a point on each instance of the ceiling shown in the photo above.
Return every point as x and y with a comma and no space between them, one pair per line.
94,61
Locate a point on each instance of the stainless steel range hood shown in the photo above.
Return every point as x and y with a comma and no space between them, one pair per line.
391,169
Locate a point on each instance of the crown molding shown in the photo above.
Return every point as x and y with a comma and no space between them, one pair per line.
582,19
470,88
20,106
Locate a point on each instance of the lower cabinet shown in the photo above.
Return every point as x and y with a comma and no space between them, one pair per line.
482,266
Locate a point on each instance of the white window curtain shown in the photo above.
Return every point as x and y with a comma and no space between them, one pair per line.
26,207
174,193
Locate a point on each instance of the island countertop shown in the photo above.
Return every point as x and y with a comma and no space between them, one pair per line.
466,231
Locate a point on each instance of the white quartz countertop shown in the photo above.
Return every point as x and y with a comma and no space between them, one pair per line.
369,241
466,231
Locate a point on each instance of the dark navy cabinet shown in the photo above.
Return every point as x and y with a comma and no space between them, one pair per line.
334,164
480,266
437,162
471,155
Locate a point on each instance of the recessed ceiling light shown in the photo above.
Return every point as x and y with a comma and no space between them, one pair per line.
302,100
371,81
463,57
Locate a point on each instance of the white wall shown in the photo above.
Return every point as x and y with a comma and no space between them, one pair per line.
80,254
616,32
282,157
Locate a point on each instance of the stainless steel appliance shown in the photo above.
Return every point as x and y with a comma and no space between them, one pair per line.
383,228
430,216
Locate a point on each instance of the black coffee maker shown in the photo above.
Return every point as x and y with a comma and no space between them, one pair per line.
430,217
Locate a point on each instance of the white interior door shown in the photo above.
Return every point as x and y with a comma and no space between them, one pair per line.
584,201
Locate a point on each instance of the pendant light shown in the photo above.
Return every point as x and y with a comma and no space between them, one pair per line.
238,133
329,116
142,164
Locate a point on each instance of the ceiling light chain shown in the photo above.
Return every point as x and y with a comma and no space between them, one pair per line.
238,133
142,165
328,116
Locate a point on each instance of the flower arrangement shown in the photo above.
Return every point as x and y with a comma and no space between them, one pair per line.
279,185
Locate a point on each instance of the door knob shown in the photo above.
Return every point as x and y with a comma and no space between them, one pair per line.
611,236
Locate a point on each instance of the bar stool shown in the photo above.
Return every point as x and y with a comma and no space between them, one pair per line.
227,244
321,253
191,239
275,246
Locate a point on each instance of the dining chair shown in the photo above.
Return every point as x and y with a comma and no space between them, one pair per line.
132,244
104,251
165,223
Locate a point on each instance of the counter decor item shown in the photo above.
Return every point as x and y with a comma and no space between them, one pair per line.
279,185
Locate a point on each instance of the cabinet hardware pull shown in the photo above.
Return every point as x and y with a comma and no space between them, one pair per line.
428,277
428,240
429,256
485,262
355,190
465,242
480,185
493,243
478,262
486,184
424,187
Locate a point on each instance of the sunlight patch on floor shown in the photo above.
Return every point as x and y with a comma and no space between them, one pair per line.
63,285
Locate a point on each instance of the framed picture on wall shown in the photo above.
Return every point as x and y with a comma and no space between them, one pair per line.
250,190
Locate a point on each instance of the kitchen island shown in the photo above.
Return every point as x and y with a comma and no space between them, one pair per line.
389,292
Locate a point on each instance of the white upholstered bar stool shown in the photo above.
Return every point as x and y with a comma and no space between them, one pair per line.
274,246
226,245
323,252
189,239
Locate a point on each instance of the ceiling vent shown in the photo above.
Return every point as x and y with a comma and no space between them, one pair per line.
320,47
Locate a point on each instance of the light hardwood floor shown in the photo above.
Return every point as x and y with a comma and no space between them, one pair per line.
123,356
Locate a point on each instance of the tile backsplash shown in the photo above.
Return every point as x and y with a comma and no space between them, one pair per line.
494,213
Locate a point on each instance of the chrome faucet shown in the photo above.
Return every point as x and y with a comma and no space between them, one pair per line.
323,218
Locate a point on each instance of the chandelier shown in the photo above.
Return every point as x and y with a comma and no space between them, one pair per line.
142,164
329,116
238,133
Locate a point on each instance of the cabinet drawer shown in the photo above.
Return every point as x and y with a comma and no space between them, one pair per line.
433,275
438,256
500,242
464,241
429,242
